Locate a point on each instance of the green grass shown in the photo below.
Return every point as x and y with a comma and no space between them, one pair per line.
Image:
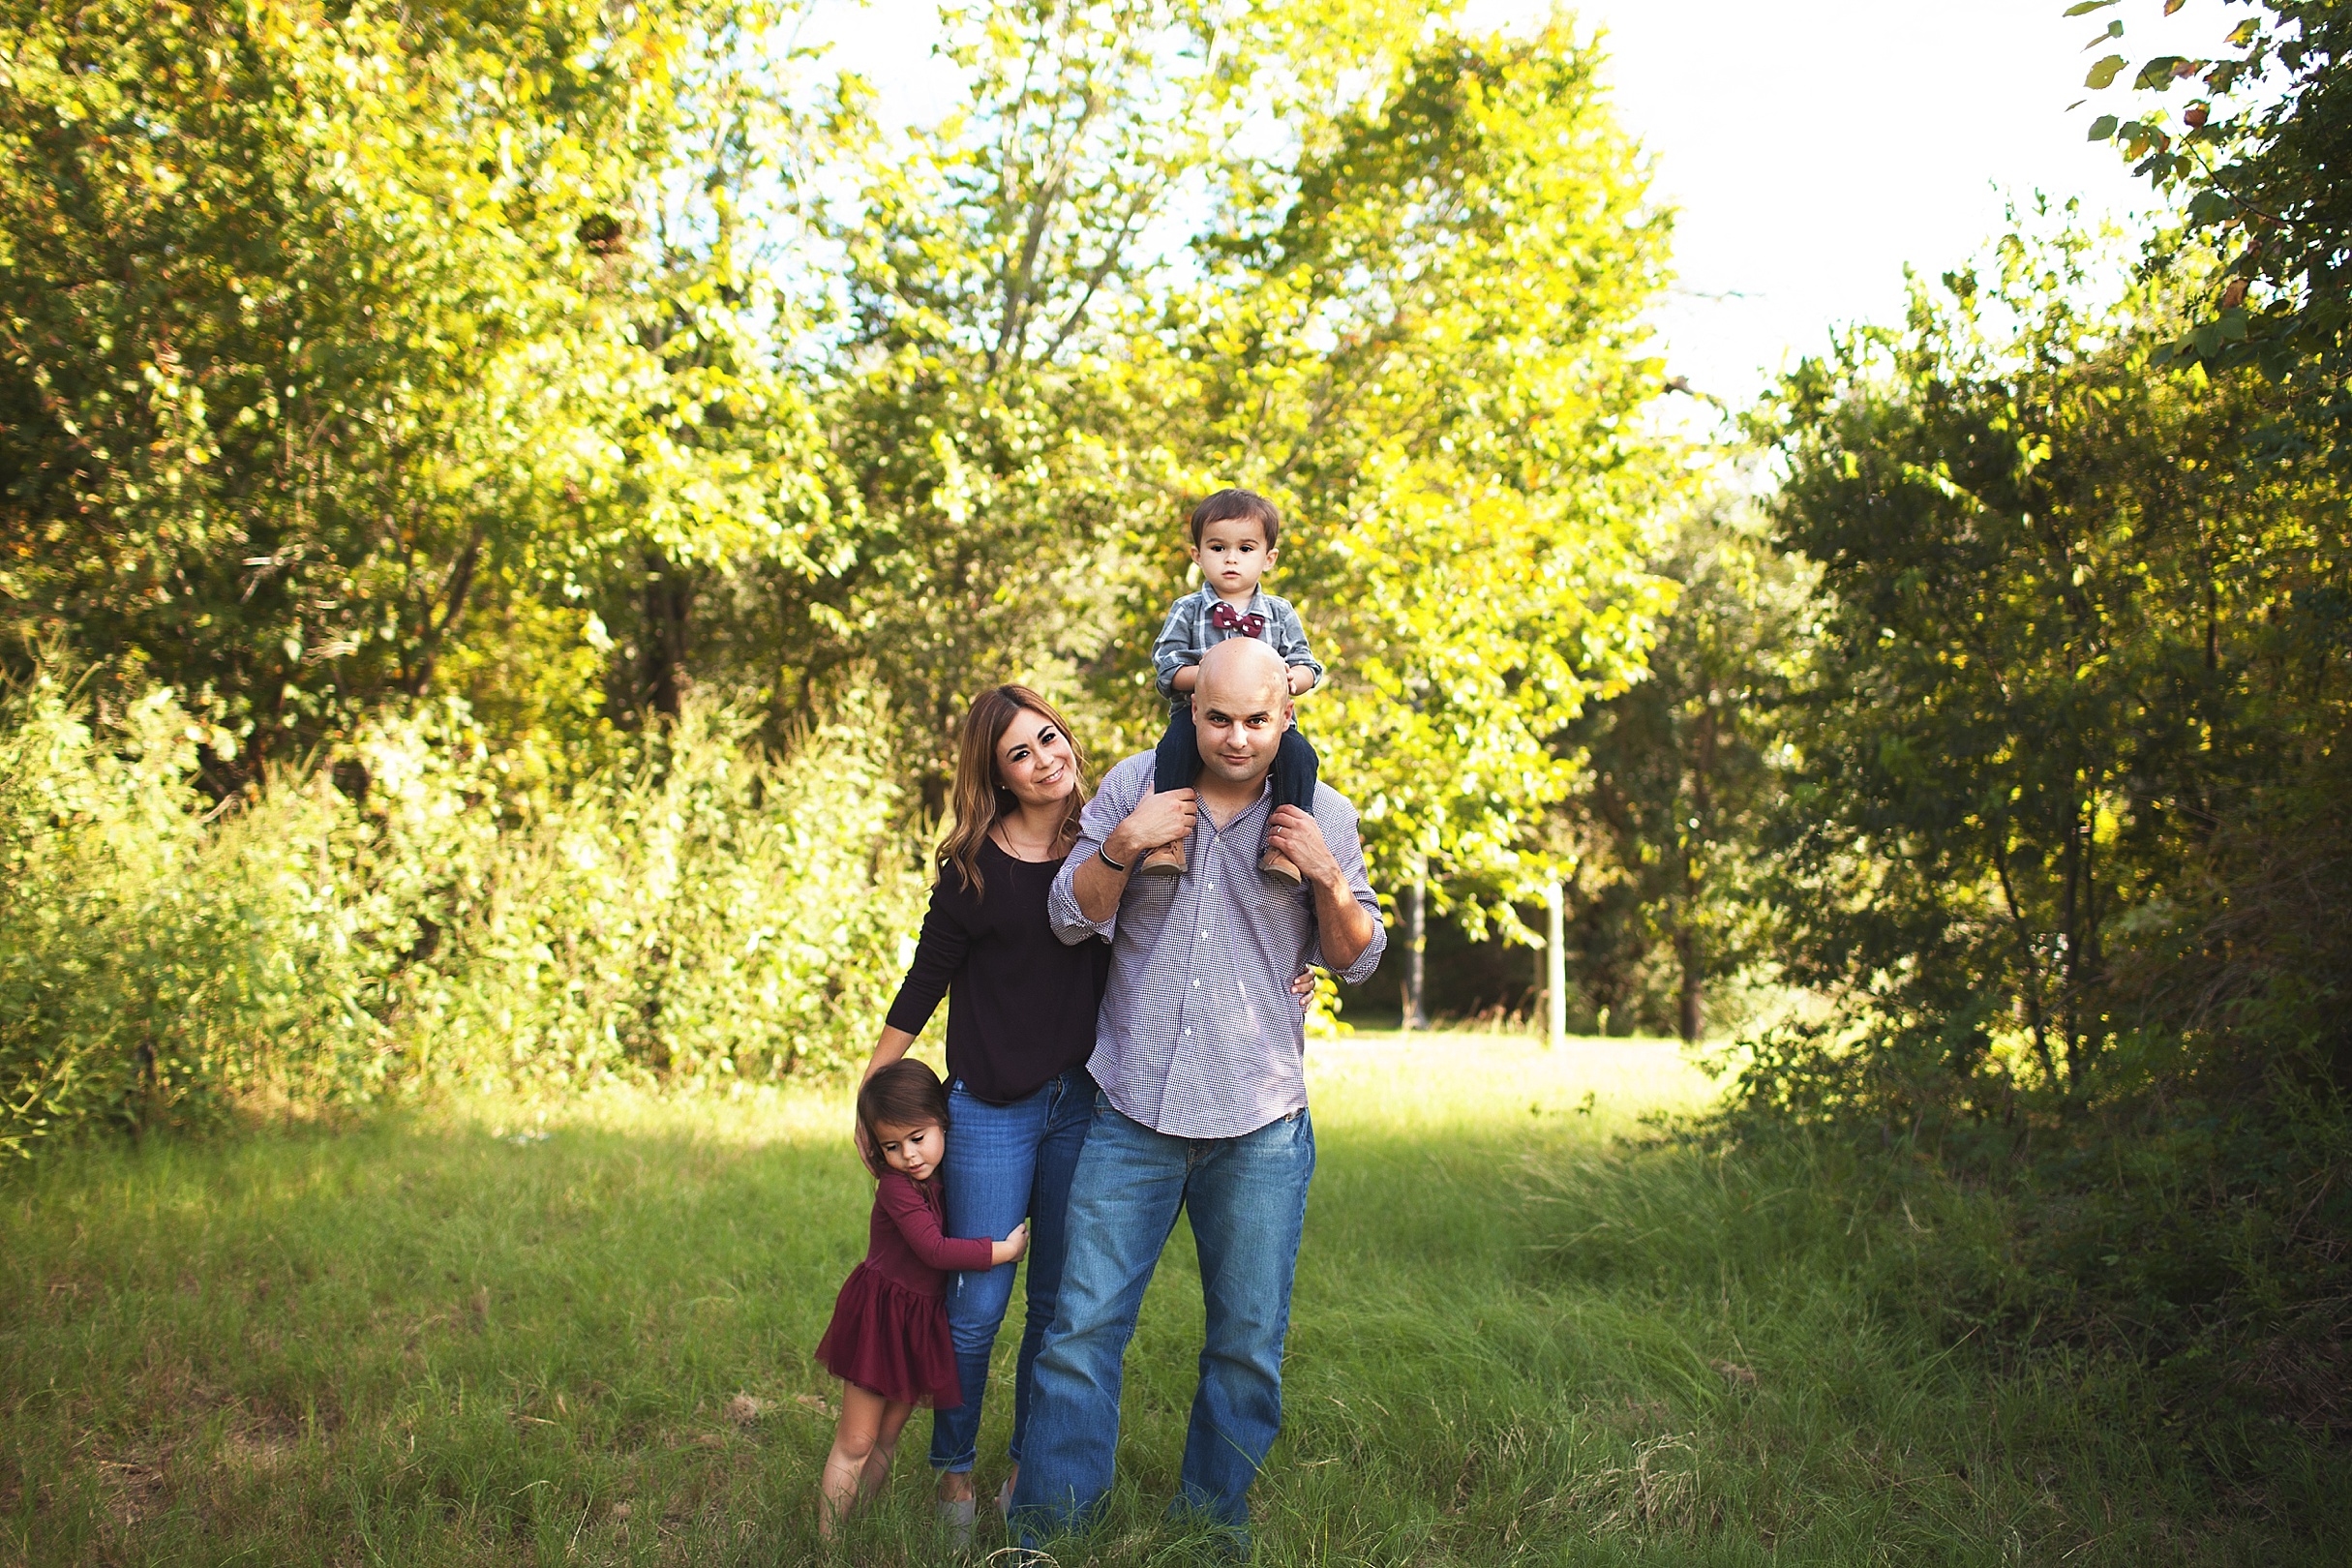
423,1341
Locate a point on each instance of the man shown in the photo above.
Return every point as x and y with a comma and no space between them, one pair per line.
1199,1055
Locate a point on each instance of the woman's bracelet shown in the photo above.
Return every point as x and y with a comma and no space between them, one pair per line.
1103,855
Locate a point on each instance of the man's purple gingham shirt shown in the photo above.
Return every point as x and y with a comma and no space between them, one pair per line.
1199,1035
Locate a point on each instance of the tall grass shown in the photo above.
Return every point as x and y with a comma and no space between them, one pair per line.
407,915
462,1335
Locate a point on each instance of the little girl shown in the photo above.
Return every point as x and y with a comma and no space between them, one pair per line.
887,1341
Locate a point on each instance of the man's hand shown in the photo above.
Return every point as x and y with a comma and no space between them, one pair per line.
1345,927
1293,833
1160,816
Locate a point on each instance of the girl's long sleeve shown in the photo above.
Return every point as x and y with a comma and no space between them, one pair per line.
939,952
918,1227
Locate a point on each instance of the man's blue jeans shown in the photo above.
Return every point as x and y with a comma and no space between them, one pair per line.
1006,1164
1247,1199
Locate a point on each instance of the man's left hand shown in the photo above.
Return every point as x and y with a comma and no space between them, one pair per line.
1293,834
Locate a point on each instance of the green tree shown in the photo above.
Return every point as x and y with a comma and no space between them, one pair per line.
316,322
1425,340
2258,155
2056,653
987,448
1679,783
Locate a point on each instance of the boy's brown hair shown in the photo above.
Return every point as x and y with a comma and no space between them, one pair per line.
1232,505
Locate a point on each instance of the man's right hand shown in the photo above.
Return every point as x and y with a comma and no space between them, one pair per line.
1160,816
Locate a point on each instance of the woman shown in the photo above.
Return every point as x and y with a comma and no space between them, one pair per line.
1020,1028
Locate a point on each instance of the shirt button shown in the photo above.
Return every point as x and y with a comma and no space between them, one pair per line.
1196,982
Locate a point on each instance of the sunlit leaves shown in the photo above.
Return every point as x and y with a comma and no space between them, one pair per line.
2052,653
1431,354
315,331
2261,161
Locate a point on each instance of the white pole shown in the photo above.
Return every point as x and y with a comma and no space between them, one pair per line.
1556,969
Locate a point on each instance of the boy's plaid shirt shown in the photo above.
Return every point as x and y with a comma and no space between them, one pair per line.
1188,635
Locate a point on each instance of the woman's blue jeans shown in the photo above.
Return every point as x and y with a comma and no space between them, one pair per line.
1006,1164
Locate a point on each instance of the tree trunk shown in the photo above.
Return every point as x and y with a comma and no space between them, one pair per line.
669,602
1689,1013
1555,965
1416,1011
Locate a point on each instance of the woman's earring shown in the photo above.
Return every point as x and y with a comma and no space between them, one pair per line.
1005,799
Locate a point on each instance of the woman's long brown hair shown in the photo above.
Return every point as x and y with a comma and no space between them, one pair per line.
979,798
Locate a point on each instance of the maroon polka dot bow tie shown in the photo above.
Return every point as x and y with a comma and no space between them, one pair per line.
1225,619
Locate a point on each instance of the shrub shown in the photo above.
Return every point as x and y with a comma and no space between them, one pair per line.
691,911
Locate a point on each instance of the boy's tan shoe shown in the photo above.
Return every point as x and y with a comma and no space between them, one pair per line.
1274,864
1167,860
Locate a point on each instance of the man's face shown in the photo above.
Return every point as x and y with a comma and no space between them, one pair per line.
1240,720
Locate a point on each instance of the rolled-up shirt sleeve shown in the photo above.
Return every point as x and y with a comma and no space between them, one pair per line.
1288,636
1336,819
1179,643
1121,790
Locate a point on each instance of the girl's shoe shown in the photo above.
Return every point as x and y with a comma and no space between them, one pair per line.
1275,864
1167,860
955,1520
1004,1501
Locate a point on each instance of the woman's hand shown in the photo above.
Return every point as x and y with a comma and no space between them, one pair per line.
1009,1249
889,1047
1302,989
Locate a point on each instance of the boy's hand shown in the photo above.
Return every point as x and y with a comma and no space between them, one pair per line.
1301,680
1010,1248
1160,816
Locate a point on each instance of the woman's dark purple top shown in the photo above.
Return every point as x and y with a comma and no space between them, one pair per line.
1020,1004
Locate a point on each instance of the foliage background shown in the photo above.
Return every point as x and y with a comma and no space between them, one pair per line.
501,509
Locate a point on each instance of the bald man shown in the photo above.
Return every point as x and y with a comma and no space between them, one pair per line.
1199,1054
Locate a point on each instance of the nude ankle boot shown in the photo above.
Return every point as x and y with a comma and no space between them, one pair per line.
1275,863
1167,860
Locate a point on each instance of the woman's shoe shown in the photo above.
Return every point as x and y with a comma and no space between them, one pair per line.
955,1520
1167,860
1004,1501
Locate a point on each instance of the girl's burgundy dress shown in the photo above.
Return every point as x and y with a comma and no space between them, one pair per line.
889,1327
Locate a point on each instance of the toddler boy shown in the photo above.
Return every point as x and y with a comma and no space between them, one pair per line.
1234,535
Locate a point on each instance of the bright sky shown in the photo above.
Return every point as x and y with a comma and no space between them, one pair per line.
1813,147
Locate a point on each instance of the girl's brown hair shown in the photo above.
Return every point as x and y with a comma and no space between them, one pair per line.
981,798
905,1094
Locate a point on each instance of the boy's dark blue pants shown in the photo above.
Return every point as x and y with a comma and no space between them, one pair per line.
1177,763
